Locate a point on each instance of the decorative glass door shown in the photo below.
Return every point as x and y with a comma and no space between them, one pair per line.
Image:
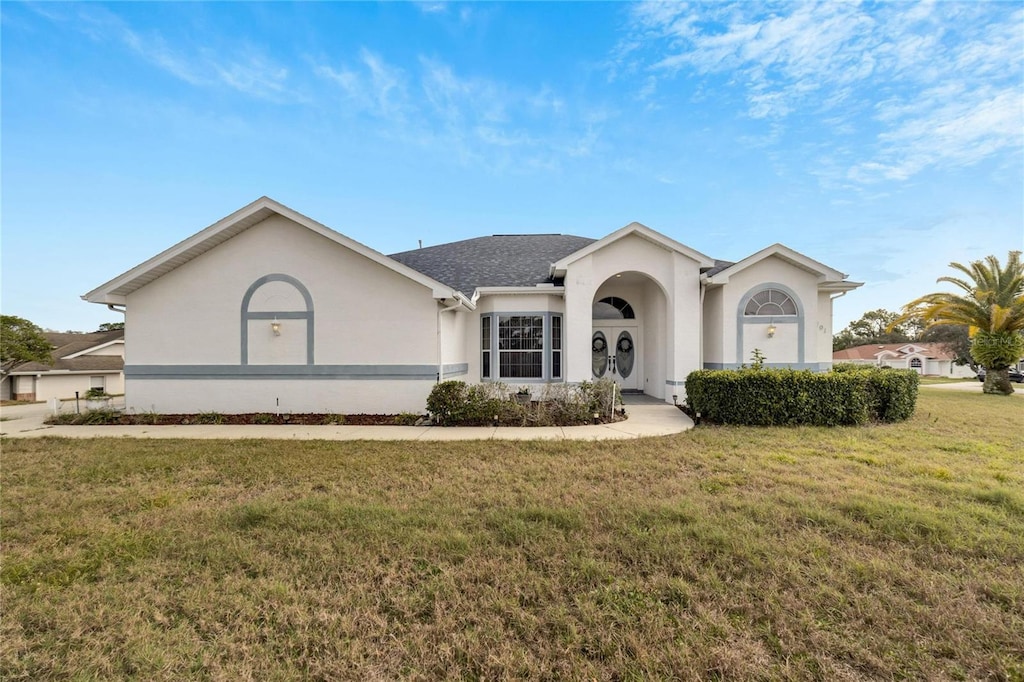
613,354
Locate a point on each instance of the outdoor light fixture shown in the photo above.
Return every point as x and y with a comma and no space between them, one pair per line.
771,330
675,399
275,327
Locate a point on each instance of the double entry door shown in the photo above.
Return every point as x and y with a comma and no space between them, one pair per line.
614,355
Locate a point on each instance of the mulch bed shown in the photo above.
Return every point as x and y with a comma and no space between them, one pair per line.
259,418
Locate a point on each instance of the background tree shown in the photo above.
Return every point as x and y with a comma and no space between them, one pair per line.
110,326
875,327
21,341
992,309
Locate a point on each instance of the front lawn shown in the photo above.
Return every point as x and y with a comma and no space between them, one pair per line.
728,552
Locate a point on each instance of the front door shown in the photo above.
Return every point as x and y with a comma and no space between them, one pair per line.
614,355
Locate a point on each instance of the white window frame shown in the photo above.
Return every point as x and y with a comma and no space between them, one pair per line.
490,358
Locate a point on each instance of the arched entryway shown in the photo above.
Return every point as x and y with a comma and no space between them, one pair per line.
627,333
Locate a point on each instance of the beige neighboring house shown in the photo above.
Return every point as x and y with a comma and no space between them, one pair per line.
80,362
268,310
930,359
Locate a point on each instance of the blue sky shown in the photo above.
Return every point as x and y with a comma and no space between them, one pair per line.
883,139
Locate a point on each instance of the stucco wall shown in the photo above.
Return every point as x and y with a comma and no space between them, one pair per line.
713,326
783,348
364,312
280,396
365,317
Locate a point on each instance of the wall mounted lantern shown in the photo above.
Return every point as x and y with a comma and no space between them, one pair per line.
275,327
771,330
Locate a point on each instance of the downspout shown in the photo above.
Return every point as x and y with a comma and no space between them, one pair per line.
113,307
700,339
440,362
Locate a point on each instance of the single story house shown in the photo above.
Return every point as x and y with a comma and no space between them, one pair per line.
268,310
930,359
80,362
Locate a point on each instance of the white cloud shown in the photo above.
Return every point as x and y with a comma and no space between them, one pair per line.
941,82
241,67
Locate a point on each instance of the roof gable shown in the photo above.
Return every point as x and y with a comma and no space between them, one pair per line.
640,230
116,290
824,273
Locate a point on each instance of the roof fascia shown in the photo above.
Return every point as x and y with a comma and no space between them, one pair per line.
826,275
640,230
92,348
521,291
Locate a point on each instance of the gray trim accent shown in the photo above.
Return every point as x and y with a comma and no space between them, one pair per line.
286,315
271,372
742,320
814,366
669,382
454,370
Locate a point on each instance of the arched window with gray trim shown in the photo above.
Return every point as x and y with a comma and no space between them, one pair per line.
277,322
766,309
772,302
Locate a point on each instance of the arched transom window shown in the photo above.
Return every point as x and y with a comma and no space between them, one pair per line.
613,308
770,302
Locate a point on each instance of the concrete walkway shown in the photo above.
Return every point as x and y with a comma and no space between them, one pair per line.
26,421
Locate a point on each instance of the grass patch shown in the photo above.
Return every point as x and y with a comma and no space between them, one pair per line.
881,552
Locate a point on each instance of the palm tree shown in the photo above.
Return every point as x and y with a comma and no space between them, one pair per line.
991,307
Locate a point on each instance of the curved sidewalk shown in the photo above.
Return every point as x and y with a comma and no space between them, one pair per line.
644,420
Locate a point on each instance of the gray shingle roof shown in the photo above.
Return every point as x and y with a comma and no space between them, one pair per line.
66,344
719,266
497,261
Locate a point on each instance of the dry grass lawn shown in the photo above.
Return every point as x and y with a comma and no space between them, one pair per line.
889,552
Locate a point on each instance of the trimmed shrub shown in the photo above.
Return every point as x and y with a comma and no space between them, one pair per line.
784,397
455,403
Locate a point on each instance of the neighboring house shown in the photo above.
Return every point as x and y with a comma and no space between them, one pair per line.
268,310
925,358
80,362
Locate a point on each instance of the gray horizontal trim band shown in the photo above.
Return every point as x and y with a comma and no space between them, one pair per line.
815,366
669,382
286,315
268,372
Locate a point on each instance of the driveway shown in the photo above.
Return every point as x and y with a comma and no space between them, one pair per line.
968,387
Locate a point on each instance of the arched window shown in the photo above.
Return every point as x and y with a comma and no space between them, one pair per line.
915,363
770,302
613,308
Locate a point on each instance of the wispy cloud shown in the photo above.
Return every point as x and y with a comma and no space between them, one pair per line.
940,82
240,67
477,119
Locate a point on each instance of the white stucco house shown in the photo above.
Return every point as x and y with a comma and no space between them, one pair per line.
268,310
931,359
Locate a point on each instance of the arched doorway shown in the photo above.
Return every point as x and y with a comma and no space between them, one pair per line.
614,343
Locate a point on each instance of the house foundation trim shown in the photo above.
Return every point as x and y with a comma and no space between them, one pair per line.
271,372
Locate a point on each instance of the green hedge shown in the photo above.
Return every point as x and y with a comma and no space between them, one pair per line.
784,397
